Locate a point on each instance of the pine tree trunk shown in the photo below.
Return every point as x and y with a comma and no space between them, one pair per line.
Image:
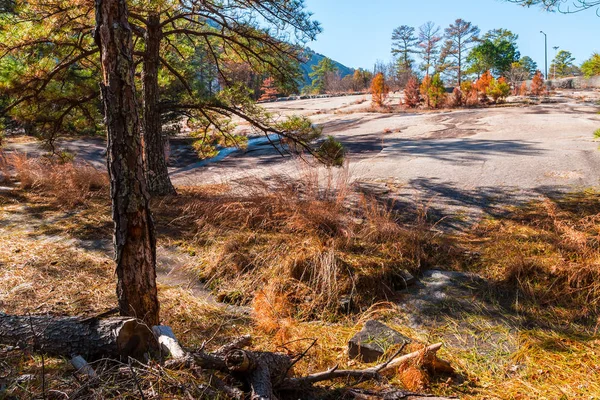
134,240
157,173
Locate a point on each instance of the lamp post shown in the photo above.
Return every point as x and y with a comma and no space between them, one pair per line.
555,54
546,53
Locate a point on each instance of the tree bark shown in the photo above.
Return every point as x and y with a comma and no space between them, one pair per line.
157,173
68,336
134,240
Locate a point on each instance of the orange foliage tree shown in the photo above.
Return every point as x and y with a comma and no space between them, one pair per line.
412,96
537,84
379,89
483,83
269,90
523,89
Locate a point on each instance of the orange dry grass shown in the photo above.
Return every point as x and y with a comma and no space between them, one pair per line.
72,183
314,237
549,252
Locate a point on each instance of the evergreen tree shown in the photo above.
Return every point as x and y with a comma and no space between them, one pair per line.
319,74
460,36
404,45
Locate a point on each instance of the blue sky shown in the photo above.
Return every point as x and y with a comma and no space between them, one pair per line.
357,32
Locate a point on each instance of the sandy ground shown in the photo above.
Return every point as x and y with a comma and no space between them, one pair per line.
460,162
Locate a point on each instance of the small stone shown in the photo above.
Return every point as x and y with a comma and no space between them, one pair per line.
373,340
407,279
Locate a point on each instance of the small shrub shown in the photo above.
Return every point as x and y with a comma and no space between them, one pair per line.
498,90
456,100
523,89
412,96
331,152
482,85
537,84
433,91
379,90
597,134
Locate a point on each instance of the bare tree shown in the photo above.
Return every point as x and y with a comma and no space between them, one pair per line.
459,37
429,39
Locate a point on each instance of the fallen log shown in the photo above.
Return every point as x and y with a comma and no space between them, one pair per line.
70,336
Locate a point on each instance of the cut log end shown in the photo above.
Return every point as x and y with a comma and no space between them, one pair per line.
134,339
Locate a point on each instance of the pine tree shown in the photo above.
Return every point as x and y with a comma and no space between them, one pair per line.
459,37
537,84
269,90
379,90
433,91
412,96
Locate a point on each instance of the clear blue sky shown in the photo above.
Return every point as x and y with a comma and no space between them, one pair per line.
357,32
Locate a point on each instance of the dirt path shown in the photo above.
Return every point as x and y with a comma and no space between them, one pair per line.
40,229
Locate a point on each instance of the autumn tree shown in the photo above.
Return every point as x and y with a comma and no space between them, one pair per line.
537,84
429,39
379,90
483,83
269,90
412,94
404,45
460,36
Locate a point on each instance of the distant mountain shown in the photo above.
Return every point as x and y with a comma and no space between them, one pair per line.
313,59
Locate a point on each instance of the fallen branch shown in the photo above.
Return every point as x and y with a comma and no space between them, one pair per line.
360,374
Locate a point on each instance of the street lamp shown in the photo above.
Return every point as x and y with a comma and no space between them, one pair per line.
555,54
545,52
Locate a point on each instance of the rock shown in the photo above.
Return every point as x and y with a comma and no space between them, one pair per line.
373,340
406,279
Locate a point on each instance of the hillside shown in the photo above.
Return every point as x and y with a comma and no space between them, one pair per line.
313,59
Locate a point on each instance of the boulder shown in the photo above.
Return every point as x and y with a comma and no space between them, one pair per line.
373,340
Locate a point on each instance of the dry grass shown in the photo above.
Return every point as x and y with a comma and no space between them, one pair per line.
291,248
72,183
549,253
329,247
